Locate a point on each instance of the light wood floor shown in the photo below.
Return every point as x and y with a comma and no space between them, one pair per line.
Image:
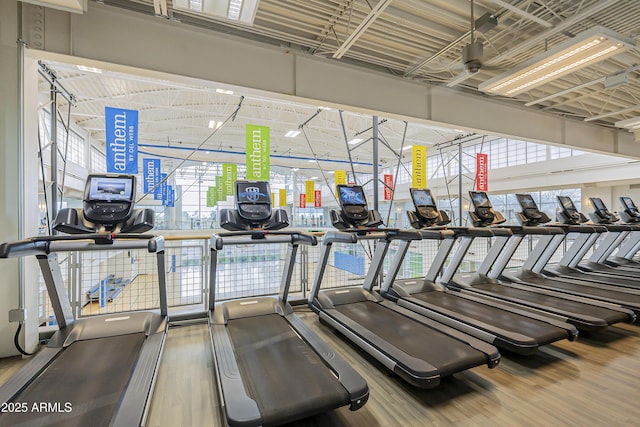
592,382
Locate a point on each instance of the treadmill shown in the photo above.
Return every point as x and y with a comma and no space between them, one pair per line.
419,350
488,281
271,368
517,329
535,271
567,267
624,257
616,234
121,350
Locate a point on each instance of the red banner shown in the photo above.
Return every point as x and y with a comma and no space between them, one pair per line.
303,200
388,186
482,172
317,199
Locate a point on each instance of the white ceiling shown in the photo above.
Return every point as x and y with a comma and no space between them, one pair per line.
419,40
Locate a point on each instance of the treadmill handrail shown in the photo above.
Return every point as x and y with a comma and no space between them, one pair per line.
219,240
79,242
582,228
533,229
335,236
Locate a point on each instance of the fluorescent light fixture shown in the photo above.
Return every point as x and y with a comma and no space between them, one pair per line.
225,91
292,133
631,124
241,11
313,178
312,161
295,169
75,6
90,69
355,141
331,172
458,130
214,124
408,147
585,49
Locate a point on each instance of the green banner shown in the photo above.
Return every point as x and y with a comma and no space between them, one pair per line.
220,196
211,197
257,149
229,177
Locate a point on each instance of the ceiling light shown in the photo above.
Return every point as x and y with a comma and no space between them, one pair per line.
312,161
312,178
292,133
242,11
225,91
408,147
585,49
631,124
90,69
295,169
458,130
214,124
355,141
331,171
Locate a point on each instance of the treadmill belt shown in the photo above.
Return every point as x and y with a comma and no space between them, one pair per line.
445,353
82,386
542,332
620,297
281,372
610,316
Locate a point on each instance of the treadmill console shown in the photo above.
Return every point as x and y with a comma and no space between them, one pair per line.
426,213
109,199
353,209
253,209
483,214
629,213
600,214
530,214
107,206
568,213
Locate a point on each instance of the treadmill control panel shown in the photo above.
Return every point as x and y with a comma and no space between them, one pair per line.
601,215
426,212
530,214
253,200
353,202
569,214
630,212
483,213
109,199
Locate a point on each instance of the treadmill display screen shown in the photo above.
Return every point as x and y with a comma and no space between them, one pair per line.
253,192
567,203
628,203
352,196
422,198
480,199
598,204
526,201
109,189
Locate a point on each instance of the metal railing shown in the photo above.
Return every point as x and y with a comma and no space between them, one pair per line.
125,280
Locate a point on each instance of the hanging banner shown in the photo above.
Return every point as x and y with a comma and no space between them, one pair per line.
419,166
387,179
303,200
229,178
309,187
161,188
167,196
482,172
150,174
317,199
220,196
282,199
212,192
257,152
121,137
340,177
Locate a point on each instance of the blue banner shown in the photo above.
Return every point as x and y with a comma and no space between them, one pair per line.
160,189
168,197
150,174
121,127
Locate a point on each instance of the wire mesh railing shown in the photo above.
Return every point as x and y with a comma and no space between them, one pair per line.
126,280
